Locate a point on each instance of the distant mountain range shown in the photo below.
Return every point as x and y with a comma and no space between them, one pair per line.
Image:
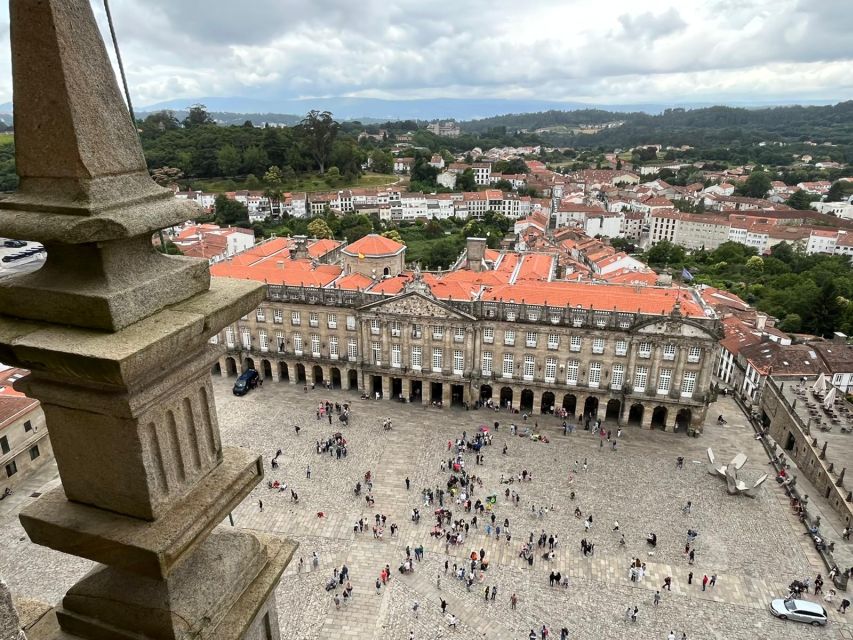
370,110
374,109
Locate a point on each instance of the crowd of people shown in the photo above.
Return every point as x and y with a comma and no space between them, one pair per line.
462,504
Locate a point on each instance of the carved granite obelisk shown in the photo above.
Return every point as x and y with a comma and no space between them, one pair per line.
117,338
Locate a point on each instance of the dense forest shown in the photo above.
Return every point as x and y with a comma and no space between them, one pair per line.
808,293
708,127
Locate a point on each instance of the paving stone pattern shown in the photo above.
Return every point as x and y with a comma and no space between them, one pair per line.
753,546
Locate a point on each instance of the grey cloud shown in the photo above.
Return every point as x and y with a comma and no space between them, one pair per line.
648,26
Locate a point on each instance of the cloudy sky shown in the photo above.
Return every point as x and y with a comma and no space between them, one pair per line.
599,51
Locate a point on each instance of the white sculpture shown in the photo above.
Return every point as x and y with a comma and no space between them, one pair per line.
729,472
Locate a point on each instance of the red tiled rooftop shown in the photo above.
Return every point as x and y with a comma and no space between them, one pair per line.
374,245
605,297
322,247
290,272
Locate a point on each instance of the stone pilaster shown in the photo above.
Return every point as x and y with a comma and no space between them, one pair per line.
116,336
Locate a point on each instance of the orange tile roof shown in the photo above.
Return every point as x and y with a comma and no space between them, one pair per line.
291,272
322,247
353,281
374,245
606,297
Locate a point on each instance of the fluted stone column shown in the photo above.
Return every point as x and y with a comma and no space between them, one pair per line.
116,336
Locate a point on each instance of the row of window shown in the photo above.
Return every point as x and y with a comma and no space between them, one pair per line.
644,349
641,373
12,467
531,337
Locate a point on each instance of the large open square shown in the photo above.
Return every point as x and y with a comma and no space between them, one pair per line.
753,546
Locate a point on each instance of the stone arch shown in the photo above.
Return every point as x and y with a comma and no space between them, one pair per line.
266,368
230,366
283,371
590,406
570,403
352,379
506,397
682,420
614,410
335,375
248,363
635,414
217,369
317,374
526,402
485,391
548,402
659,417
300,373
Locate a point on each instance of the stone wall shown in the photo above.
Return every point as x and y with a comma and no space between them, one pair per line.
788,431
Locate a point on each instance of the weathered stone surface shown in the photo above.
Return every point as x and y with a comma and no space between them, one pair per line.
117,338
10,625
134,545
188,604
137,354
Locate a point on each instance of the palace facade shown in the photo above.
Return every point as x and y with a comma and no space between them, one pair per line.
631,355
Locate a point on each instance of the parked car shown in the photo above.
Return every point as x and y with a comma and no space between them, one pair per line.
246,382
14,244
799,610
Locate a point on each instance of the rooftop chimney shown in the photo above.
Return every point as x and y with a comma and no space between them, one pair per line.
476,251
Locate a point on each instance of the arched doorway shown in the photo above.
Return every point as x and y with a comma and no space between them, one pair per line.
300,373
217,369
635,414
547,402
230,366
267,367
485,392
506,397
317,374
335,374
570,403
526,402
590,407
436,392
283,372
659,418
457,395
376,386
614,408
682,420
352,379
386,271
248,363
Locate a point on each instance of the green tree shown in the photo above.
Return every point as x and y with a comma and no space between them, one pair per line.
792,323
318,131
228,159
755,266
255,160
230,212
840,190
273,175
757,185
665,253
433,229
381,161
801,200
319,228
465,181
394,235
197,116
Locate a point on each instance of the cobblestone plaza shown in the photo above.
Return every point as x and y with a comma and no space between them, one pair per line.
755,547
